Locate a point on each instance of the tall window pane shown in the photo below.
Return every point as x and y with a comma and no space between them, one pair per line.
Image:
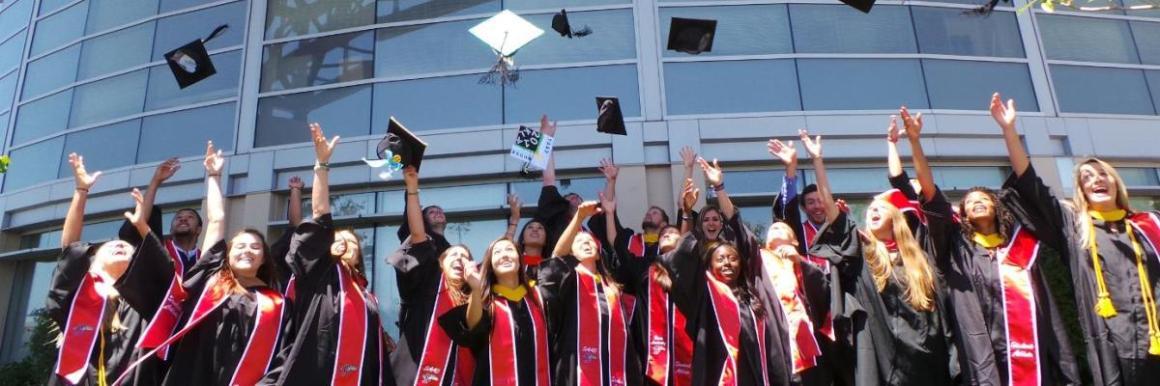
283,119
1101,90
15,17
111,146
952,32
164,92
1087,39
616,39
390,11
7,90
173,5
1154,86
731,87
966,85
51,72
38,163
11,51
550,4
108,14
570,93
176,31
302,17
428,48
184,133
42,117
741,30
60,28
1147,34
109,98
843,29
116,51
422,104
313,62
861,84
47,6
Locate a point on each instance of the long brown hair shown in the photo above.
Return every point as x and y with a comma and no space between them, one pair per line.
1082,219
487,271
459,291
742,286
918,281
227,282
357,269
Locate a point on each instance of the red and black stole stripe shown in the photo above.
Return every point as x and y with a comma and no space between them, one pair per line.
352,334
1015,261
85,315
502,345
438,349
165,320
590,336
728,313
670,350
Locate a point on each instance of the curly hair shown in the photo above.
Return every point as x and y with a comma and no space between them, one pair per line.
1005,221
743,287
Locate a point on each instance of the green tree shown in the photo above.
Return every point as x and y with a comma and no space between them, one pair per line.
35,368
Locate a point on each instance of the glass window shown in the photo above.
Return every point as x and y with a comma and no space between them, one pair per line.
47,6
11,52
7,90
570,93
731,87
389,11
303,17
164,92
757,219
615,40
1139,202
843,29
116,51
1101,90
177,31
173,5
549,4
42,117
421,103
967,85
1145,34
184,133
741,30
951,31
37,291
966,177
1087,39
383,278
314,62
586,187
60,28
283,119
51,72
108,14
427,48
757,181
450,198
112,146
1144,11
1154,86
15,16
861,84
109,98
38,163
1139,176
4,122
476,234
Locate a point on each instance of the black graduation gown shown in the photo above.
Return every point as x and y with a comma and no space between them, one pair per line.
552,211
404,232
975,294
557,285
133,313
418,275
478,339
1117,348
691,295
210,352
318,297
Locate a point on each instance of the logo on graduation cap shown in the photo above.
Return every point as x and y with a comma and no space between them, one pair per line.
505,33
191,63
398,149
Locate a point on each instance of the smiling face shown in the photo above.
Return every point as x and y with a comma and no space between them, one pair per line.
584,247
505,259
979,207
246,255
669,238
435,217
185,222
779,234
711,222
1100,187
347,247
725,264
814,208
113,257
453,261
534,234
879,220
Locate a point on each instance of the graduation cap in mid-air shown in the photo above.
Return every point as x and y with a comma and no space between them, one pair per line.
609,119
505,33
398,149
691,36
560,24
861,5
191,63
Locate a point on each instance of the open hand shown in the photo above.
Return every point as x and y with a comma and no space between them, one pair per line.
587,209
1004,115
136,217
322,148
813,146
609,169
166,170
783,151
296,183
912,124
214,161
688,157
84,180
892,131
713,173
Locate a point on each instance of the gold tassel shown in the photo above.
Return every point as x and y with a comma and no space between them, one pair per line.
1154,345
1104,307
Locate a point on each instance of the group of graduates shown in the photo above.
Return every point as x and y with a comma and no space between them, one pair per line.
925,292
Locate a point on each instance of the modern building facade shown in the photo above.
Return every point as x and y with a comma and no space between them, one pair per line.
88,76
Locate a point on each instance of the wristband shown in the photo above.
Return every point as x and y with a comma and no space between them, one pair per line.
719,187
321,166
83,190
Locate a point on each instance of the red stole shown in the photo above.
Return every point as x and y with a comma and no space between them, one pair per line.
502,348
1149,226
439,348
905,204
352,333
810,231
728,313
590,336
804,348
81,330
532,260
165,320
1015,261
636,245
667,338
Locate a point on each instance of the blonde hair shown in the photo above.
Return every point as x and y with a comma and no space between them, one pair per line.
1082,219
918,280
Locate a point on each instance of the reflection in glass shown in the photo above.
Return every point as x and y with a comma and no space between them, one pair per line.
184,133
179,30
47,6
1101,90
60,28
164,92
112,146
109,98
8,90
450,198
303,17
389,11
586,187
756,181
1138,176
950,31
843,29
42,160
37,291
1086,39
4,121
42,117
965,177
966,85
516,5
757,219
11,52
105,14
570,93
741,30
422,104
15,17
1146,34
283,119
427,48
51,72
1154,86
385,287
731,87
116,51
861,84
614,40
314,62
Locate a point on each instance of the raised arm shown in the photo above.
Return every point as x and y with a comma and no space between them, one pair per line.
320,191
784,204
215,212
689,197
514,203
414,208
564,245
716,179
814,148
474,279
893,160
1005,116
294,211
74,220
913,124
549,128
608,205
688,161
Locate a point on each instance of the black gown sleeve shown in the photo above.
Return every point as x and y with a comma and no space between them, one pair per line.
688,278
144,284
1036,209
308,253
553,274
552,211
283,359
454,323
628,269
790,212
71,268
943,229
210,263
902,183
839,243
414,266
279,251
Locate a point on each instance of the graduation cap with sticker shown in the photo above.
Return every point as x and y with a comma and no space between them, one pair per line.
398,149
191,63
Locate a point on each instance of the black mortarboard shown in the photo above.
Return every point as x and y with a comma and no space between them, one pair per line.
609,119
560,24
191,63
692,36
402,143
861,5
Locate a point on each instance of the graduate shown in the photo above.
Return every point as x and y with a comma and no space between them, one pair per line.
100,326
738,335
430,284
340,339
893,308
588,313
646,243
236,328
503,323
1111,251
1007,322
